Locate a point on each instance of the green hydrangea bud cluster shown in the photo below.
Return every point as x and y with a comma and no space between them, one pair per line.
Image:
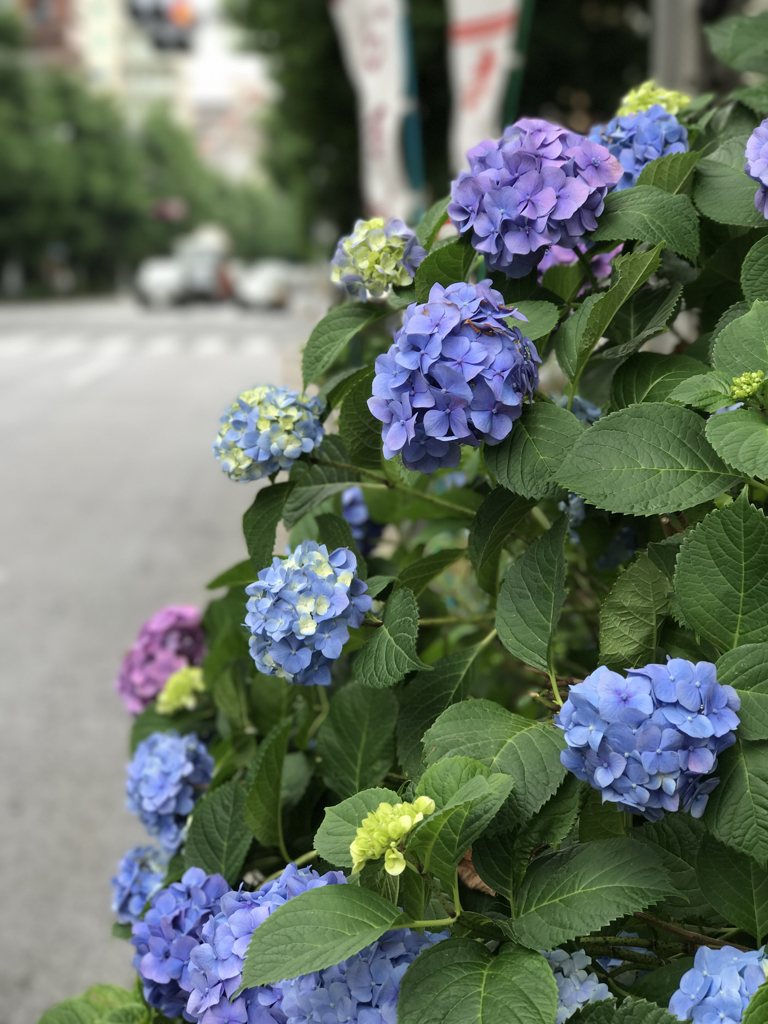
384,829
648,95
747,384
180,691
374,258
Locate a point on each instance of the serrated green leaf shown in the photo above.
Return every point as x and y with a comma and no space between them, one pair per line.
646,459
742,345
632,614
298,769
740,42
660,985
663,554
262,804
531,597
738,808
391,653
754,96
599,821
356,742
260,522
578,890
676,839
359,431
341,822
317,482
736,885
542,318
757,1008
707,391
336,532
741,438
444,779
418,574
528,460
651,377
728,550
334,331
565,279
672,173
432,221
746,670
722,191
446,265
335,388
496,519
650,215
754,271
315,930
648,313
239,575
218,839
458,981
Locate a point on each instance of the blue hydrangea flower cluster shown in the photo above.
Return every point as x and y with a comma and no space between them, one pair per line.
216,968
364,988
456,374
165,778
169,932
719,986
355,511
649,742
375,257
300,611
539,185
265,430
757,164
636,139
139,875
575,986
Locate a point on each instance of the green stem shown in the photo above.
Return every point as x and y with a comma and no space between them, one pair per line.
322,714
456,900
446,620
541,517
416,495
683,933
587,265
440,923
487,639
281,839
553,676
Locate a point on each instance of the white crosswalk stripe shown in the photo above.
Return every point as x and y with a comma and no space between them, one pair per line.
106,356
209,345
160,345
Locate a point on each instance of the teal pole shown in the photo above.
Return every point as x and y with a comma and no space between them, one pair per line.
413,148
515,87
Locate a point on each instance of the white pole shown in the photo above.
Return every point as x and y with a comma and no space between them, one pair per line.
676,51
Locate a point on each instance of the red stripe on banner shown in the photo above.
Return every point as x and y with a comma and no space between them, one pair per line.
461,31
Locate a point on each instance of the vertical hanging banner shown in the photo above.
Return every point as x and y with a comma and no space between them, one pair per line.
481,54
374,42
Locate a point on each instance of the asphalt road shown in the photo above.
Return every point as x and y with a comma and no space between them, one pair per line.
111,507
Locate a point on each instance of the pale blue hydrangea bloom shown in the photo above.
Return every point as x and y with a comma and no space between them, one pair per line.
575,986
375,257
719,986
139,875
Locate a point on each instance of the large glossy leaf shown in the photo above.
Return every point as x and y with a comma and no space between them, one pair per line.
218,838
334,331
317,482
418,574
736,885
676,839
649,214
528,461
746,669
432,221
341,822
740,42
632,614
722,191
359,431
741,439
445,265
754,271
651,377
672,173
738,807
260,523
498,516
391,653
742,345
356,742
262,804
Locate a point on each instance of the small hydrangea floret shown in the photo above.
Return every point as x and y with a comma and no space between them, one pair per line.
180,691
538,185
757,164
171,640
456,374
719,986
648,95
300,611
376,256
265,430
637,139
383,830
355,511
139,875
747,384
166,775
576,987
650,742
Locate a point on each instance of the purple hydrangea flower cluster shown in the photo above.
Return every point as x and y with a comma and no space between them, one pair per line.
719,986
355,511
539,185
575,986
169,932
456,374
216,967
171,640
757,164
364,988
300,611
601,263
636,139
165,778
139,875
649,742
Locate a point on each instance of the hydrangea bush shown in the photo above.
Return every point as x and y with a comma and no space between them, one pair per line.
527,724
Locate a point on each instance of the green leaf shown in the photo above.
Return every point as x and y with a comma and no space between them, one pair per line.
672,173
651,377
742,345
271,700
661,984
298,769
378,584
650,215
631,1011
336,388
391,653
754,96
646,459
542,318
262,805
565,279
754,271
531,597
426,697
632,614
218,839
446,265
585,887
260,523
458,981
599,821
418,574
728,552
336,532
741,438
356,742
315,930
648,313
341,822
334,331
496,519
722,191
239,575
359,431
527,751
707,391
737,886
757,1008
528,460
97,1004
676,839
746,669
740,42
432,221
738,807
318,482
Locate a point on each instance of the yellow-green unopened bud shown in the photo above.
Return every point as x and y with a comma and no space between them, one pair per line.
180,691
383,830
747,384
647,95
